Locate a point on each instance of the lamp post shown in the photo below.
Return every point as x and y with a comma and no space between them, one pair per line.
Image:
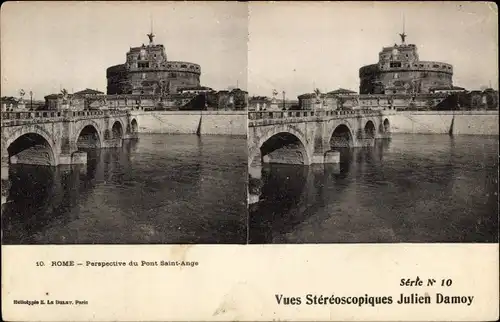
284,106
31,100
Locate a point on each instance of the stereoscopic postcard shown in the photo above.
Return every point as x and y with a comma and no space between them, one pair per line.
249,161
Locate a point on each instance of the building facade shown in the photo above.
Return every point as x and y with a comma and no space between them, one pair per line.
400,71
339,99
258,103
148,71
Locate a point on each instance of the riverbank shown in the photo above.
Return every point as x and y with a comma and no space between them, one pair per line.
233,123
445,122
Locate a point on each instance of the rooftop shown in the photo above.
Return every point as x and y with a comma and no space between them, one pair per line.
88,91
456,88
342,91
186,88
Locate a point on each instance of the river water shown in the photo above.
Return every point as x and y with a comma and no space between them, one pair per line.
412,188
158,189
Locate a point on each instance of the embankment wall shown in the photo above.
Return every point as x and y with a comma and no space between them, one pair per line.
440,122
235,122
189,122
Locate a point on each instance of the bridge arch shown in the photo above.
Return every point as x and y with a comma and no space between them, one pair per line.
31,145
83,123
369,129
285,146
386,126
88,137
134,126
117,130
342,136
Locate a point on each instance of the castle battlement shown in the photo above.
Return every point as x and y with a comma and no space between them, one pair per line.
400,71
147,70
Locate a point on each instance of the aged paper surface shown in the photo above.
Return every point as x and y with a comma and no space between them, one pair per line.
216,161
241,283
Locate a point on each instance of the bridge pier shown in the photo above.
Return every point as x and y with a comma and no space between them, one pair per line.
364,142
322,150
131,136
111,143
254,179
77,157
70,154
254,183
5,178
327,157
383,136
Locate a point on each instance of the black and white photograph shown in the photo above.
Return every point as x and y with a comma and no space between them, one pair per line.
373,122
134,124
124,123
249,161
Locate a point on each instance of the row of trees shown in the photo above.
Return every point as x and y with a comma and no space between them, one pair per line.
210,100
475,100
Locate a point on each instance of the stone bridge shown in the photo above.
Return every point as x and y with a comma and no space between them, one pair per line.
309,137
53,138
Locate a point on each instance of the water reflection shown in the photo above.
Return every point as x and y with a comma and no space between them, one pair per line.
161,189
412,189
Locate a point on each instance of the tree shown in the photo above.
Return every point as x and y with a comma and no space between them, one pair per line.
429,104
491,97
475,101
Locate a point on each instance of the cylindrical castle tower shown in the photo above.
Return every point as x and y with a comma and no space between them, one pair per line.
147,71
399,71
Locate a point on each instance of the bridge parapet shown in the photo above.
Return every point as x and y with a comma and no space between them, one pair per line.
272,117
12,118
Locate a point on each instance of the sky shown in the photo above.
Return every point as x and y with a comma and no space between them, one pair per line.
295,47
261,46
46,46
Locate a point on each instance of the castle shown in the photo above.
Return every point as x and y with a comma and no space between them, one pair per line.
400,80
148,71
149,81
400,71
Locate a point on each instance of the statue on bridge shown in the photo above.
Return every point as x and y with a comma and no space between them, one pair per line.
20,102
64,93
318,95
275,93
274,104
103,102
